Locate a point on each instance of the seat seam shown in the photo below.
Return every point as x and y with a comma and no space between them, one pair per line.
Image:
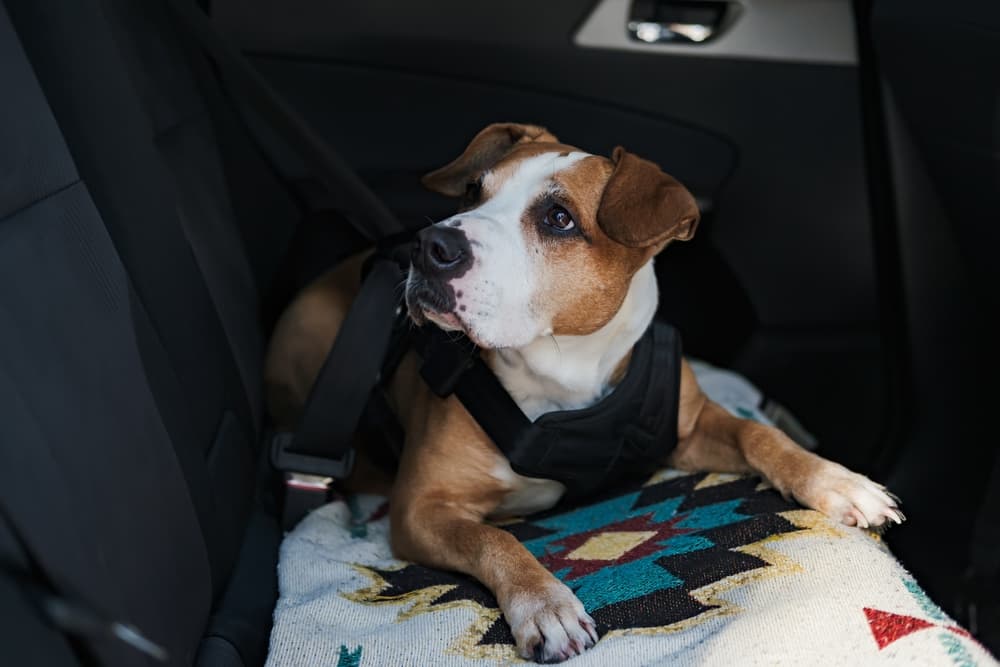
38,200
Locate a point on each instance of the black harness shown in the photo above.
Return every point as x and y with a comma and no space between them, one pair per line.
627,433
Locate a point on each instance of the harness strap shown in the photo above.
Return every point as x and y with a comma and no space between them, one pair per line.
454,366
664,352
635,426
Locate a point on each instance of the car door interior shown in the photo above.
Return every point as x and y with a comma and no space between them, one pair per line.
940,74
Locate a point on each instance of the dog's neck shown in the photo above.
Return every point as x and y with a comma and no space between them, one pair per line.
571,372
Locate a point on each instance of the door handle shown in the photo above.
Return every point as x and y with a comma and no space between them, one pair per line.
677,21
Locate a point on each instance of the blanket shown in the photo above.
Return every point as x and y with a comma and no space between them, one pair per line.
681,570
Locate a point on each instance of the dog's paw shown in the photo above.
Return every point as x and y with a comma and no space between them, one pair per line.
850,498
550,625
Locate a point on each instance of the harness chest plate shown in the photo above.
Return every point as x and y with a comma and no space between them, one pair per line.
626,434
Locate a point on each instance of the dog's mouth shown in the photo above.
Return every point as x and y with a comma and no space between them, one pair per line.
447,321
435,303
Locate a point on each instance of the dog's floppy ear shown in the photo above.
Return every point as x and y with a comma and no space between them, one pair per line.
484,151
642,206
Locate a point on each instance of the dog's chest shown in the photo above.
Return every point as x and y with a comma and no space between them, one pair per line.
575,385
536,395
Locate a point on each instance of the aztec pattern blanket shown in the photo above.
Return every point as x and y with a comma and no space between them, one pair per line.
682,570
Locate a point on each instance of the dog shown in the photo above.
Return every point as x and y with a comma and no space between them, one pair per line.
548,268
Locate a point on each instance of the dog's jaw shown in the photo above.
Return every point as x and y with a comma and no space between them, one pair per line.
556,372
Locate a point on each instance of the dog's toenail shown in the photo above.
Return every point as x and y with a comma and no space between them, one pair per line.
539,652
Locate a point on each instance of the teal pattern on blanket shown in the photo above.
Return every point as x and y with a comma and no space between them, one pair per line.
349,658
614,551
583,542
633,558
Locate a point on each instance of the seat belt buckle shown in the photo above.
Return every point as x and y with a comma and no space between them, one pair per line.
288,461
308,479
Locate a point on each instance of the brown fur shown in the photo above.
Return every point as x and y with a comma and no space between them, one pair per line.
643,207
440,499
589,278
484,151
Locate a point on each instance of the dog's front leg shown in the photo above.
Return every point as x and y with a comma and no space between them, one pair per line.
548,621
447,484
711,439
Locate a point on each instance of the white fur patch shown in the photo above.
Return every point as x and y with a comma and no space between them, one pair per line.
551,624
528,494
498,292
572,372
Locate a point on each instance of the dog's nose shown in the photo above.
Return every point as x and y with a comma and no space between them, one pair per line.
441,251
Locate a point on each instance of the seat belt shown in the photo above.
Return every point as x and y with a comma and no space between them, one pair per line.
320,450
71,617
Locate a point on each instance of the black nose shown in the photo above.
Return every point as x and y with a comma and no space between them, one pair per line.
441,251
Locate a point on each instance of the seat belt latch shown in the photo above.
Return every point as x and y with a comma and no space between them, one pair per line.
286,460
308,479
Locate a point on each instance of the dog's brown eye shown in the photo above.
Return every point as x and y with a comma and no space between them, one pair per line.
473,190
560,218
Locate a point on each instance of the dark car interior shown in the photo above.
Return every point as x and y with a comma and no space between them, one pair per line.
845,156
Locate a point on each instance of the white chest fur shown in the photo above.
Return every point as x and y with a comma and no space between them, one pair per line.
568,373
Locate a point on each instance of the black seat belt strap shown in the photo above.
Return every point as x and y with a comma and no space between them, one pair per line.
322,442
320,450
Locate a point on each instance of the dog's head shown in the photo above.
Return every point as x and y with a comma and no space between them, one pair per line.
547,238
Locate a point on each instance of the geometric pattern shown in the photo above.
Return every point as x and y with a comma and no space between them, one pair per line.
647,560
888,627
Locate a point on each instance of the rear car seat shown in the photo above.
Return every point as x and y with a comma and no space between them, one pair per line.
131,284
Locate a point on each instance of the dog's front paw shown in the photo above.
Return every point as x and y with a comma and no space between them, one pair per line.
549,624
848,497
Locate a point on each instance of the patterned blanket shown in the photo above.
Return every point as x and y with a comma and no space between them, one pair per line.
682,570
685,570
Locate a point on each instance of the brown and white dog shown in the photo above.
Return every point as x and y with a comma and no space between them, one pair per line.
548,268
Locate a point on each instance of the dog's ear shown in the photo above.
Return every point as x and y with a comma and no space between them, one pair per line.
643,207
484,151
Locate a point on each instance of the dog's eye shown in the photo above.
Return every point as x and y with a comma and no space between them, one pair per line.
473,190
560,219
